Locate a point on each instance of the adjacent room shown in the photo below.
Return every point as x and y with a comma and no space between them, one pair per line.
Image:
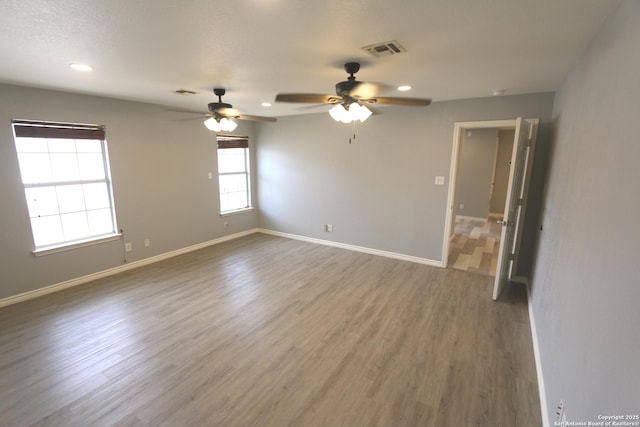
318,214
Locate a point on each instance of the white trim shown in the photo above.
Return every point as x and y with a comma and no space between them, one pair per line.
536,355
14,299
237,211
458,131
48,250
115,270
346,246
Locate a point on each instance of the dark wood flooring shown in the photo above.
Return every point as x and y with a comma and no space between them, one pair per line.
267,331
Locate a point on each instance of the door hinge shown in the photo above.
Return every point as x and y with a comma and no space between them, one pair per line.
529,142
512,257
520,202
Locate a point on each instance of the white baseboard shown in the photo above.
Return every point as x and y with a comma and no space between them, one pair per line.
135,264
536,354
115,270
371,251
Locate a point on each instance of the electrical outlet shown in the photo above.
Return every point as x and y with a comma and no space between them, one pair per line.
226,224
147,243
328,228
127,246
461,205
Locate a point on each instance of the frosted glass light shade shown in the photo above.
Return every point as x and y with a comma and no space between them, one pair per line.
223,124
355,111
228,125
212,124
340,114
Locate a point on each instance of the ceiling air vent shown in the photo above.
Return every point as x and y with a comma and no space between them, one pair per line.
384,49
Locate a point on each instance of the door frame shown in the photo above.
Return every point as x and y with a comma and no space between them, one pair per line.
459,130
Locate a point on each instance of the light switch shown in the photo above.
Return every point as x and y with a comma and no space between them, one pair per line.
439,180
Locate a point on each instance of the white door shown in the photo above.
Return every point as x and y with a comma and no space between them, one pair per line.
512,207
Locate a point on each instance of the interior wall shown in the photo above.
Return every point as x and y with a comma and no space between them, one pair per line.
378,192
475,172
585,290
159,167
502,167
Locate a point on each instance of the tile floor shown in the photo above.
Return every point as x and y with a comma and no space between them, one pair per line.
474,245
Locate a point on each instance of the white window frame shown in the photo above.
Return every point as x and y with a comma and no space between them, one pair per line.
235,142
25,130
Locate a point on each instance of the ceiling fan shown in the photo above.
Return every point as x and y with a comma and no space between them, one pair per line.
351,97
220,115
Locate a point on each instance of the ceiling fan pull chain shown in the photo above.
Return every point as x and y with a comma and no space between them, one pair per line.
354,132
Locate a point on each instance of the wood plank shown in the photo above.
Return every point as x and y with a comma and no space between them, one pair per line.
269,331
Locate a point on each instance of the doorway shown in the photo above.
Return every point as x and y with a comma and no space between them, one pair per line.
481,185
510,225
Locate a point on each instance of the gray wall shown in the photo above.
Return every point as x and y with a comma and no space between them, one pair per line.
159,166
309,175
585,287
503,164
475,172
378,191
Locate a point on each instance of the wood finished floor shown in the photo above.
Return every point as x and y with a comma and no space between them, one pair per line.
474,246
267,331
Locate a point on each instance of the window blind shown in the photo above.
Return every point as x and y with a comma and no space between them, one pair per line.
232,141
31,129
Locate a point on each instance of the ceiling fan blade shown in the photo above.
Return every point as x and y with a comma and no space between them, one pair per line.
387,100
256,118
178,110
309,98
310,107
363,90
227,112
199,115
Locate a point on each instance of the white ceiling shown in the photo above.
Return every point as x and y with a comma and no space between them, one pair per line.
145,50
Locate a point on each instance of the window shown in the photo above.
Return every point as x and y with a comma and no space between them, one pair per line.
233,173
65,172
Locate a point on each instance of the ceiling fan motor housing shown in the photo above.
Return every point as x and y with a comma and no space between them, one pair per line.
213,106
345,87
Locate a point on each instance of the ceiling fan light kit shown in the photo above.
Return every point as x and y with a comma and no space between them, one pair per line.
351,95
349,113
220,124
221,115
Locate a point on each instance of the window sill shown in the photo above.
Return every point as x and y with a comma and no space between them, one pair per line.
237,211
48,250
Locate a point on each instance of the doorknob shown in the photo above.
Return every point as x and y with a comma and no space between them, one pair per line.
504,223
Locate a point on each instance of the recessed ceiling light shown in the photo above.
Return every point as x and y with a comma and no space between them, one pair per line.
266,104
404,88
81,67
498,92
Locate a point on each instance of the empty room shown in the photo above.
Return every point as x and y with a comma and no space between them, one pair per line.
286,213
